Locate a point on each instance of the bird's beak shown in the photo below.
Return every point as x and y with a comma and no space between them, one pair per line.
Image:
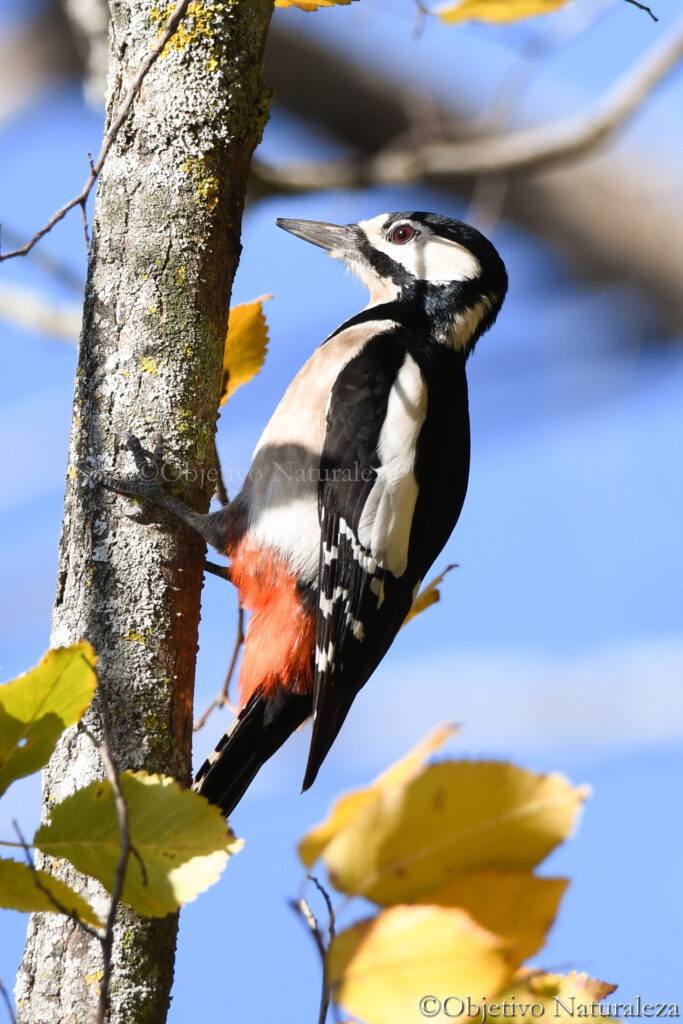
338,239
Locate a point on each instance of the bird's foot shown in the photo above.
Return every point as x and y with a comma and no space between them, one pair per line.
149,466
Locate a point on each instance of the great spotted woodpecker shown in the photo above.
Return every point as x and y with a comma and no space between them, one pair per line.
355,485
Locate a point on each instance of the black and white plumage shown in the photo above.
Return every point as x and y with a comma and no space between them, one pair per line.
356,484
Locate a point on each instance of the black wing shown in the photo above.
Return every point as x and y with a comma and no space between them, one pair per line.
369,515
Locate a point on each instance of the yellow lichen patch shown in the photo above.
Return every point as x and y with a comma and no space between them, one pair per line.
125,372
180,277
95,978
153,309
206,182
149,365
196,24
183,421
137,637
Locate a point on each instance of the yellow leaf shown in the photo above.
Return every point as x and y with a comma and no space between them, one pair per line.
180,838
517,905
428,595
347,807
36,708
18,891
453,818
382,968
496,12
312,5
245,346
562,996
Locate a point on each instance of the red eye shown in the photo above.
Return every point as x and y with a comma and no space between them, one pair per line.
402,234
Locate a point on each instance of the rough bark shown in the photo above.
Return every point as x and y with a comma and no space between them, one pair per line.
165,248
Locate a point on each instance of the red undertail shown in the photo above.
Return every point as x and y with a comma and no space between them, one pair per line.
279,646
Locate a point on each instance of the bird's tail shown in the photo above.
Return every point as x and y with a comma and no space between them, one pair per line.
261,727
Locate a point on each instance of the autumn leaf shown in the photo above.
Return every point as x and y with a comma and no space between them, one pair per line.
19,891
37,707
245,346
381,968
453,818
429,595
562,996
516,905
496,12
181,841
303,6
348,806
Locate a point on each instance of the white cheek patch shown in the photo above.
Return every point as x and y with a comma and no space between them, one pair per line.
428,257
433,259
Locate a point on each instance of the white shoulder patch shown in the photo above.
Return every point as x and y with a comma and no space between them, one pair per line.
387,517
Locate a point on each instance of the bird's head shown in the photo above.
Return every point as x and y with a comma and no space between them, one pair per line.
444,273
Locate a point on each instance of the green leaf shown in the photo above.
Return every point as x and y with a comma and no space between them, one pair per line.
181,841
18,891
36,708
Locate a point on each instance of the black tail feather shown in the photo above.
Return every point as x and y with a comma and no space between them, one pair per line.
260,729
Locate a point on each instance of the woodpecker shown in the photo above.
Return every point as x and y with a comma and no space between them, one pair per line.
354,488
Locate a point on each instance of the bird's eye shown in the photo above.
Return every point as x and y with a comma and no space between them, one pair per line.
402,234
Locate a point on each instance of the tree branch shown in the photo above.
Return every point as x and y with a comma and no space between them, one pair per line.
222,699
526,150
29,309
7,1001
642,7
80,200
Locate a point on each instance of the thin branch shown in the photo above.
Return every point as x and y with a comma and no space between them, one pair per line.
328,903
643,8
80,200
222,699
7,1001
303,908
56,903
29,309
524,150
221,489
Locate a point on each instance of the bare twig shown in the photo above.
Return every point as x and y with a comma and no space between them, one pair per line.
7,1001
56,903
221,490
302,907
30,309
524,150
328,903
222,699
643,8
172,24
489,191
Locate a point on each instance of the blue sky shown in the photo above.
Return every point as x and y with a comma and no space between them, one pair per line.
558,642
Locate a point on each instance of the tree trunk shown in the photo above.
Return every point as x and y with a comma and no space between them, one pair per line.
165,249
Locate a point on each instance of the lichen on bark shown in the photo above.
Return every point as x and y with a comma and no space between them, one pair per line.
165,246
